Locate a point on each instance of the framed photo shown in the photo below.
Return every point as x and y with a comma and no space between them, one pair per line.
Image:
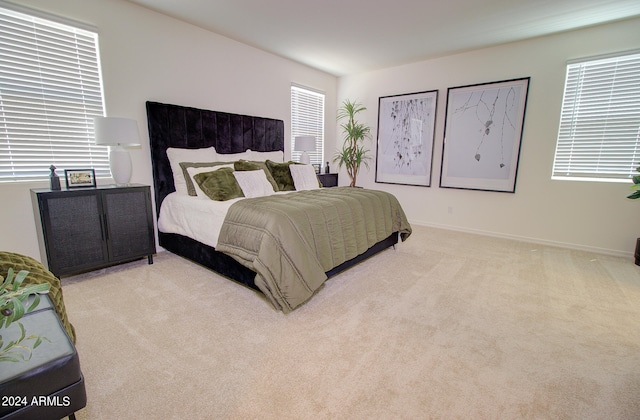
406,127
482,137
316,166
80,178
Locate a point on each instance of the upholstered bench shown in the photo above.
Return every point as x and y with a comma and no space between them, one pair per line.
49,385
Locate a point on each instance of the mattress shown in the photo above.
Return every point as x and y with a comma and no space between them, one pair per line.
196,218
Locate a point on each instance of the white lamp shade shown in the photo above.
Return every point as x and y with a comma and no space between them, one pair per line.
304,144
116,130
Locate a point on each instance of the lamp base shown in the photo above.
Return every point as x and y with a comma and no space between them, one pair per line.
120,165
304,158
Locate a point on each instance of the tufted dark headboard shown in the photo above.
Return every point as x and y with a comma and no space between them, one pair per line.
191,128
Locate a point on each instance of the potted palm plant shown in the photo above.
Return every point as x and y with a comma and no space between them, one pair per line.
353,152
636,194
635,186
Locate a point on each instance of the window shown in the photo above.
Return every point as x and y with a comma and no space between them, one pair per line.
599,135
307,119
50,90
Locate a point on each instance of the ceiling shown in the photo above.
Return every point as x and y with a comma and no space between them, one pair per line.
343,37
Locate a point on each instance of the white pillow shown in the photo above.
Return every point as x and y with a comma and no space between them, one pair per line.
176,155
193,171
232,157
304,177
275,156
253,183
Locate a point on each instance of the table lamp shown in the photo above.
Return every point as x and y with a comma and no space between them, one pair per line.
304,144
115,132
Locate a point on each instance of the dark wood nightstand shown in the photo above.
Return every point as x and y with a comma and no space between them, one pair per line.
328,180
89,228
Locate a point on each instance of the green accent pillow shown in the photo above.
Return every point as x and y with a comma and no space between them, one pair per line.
191,190
282,175
219,185
246,165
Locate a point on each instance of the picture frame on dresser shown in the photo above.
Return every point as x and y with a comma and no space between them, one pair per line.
80,178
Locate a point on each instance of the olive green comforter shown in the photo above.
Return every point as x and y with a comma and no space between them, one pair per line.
292,240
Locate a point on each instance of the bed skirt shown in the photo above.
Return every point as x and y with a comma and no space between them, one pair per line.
226,266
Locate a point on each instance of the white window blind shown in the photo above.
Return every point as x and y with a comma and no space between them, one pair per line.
50,90
307,119
599,134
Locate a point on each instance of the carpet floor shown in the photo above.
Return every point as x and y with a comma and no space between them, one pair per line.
447,326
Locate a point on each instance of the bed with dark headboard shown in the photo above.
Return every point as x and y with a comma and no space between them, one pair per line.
190,128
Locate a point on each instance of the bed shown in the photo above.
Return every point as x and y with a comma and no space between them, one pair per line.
236,137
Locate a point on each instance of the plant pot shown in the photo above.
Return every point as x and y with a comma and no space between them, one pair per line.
637,254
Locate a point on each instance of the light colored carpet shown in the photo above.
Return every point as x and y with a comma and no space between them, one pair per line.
450,325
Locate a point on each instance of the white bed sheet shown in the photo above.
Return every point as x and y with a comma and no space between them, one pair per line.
194,217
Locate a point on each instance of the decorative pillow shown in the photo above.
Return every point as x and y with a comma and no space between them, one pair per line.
193,171
219,185
253,183
245,165
206,166
176,155
304,177
276,156
282,175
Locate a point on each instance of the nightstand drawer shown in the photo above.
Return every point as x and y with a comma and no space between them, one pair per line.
328,180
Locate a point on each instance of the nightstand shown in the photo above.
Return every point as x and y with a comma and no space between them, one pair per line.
89,228
328,180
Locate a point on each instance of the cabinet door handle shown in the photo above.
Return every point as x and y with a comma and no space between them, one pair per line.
105,228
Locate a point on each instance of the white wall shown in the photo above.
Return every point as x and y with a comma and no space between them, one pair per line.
584,215
149,56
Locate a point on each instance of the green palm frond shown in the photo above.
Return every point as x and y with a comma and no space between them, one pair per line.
636,186
13,299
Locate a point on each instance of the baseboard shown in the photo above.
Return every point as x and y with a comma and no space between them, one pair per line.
595,250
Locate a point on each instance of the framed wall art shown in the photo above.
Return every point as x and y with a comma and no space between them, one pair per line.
80,178
483,134
406,127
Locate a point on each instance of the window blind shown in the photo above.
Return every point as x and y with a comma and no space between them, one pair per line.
50,90
599,134
307,119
